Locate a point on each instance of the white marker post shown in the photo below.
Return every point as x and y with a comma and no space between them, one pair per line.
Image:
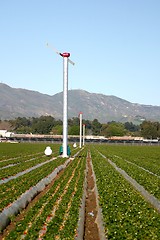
84,133
80,130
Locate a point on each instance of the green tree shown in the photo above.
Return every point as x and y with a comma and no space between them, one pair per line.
115,129
43,125
21,122
88,127
96,127
150,130
104,129
73,121
24,130
131,127
73,130
57,130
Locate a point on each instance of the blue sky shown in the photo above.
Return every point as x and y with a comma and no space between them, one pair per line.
115,45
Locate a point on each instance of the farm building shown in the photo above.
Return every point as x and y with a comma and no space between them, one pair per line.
5,133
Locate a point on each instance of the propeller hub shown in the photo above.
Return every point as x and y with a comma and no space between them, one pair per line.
65,54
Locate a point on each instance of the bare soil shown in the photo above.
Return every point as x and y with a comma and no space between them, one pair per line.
91,231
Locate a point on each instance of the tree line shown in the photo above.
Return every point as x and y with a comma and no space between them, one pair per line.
50,125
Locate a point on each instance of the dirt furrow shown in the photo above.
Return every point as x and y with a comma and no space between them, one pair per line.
92,228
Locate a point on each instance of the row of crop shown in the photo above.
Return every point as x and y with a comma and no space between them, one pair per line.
125,213
26,164
13,166
147,157
17,160
55,215
8,162
10,150
11,190
149,181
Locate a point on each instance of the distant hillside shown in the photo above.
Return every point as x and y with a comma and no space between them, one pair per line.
17,102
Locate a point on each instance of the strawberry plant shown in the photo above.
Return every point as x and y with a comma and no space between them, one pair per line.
126,214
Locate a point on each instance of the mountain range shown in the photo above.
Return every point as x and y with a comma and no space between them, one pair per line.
17,102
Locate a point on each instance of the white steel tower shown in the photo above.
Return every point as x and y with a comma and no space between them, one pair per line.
65,99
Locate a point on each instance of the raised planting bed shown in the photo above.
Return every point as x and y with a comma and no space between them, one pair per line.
126,214
55,215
